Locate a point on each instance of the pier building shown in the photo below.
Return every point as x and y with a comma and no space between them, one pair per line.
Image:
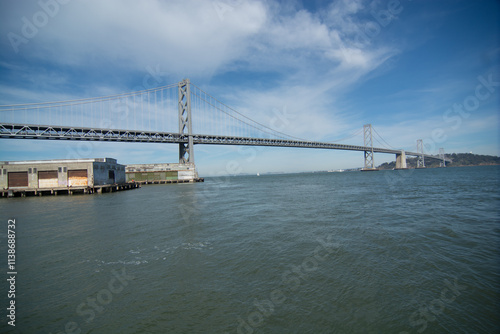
162,173
61,176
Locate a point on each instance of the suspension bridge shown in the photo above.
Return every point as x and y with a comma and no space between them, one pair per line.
180,113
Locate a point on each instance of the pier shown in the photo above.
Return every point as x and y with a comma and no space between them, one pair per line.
109,188
195,180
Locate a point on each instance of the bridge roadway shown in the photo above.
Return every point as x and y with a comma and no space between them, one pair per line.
27,131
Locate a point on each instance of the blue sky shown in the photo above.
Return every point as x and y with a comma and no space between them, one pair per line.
312,69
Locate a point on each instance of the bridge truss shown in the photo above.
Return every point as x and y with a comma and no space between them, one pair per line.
180,114
24,131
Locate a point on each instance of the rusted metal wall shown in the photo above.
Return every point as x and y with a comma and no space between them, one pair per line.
48,179
78,178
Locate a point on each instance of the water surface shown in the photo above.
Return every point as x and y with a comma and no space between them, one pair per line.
413,251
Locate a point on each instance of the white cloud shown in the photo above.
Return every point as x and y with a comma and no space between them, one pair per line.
317,54
198,38
187,35
301,30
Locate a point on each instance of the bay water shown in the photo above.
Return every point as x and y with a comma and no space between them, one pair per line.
413,251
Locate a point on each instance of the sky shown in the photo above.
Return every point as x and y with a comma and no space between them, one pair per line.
318,70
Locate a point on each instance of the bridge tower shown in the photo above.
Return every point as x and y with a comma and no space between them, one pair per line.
441,156
420,149
368,140
186,150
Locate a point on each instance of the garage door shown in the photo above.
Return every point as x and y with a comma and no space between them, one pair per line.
48,179
18,179
77,178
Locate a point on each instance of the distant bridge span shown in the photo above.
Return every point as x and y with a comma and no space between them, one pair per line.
31,131
177,108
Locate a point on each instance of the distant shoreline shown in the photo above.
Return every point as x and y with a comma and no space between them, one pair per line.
335,172
453,166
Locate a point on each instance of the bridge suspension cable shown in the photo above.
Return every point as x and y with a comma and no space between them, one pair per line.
238,124
86,100
139,110
355,134
154,110
386,145
161,115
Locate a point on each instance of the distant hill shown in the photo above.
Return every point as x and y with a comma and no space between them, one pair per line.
458,160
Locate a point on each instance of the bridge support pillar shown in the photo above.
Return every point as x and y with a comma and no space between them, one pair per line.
401,161
186,150
368,140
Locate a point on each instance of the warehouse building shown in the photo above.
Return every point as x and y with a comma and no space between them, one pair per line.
57,174
162,173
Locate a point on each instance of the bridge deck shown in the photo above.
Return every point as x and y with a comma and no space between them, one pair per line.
29,131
